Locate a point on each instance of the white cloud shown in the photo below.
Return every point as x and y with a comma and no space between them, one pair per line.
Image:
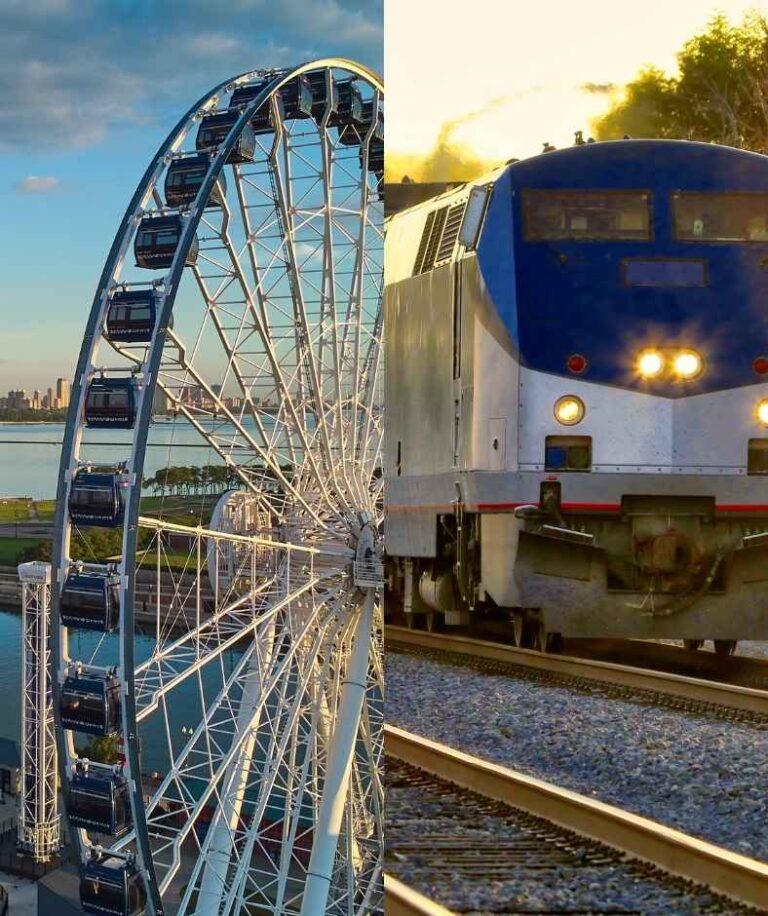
35,184
68,78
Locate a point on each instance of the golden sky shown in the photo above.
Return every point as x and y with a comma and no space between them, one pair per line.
512,72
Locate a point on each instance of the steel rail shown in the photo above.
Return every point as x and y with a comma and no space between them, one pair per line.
731,696
401,900
725,872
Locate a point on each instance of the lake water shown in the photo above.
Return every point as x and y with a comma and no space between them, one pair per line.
30,453
183,701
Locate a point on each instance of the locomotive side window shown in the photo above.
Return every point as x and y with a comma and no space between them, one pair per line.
549,215
720,217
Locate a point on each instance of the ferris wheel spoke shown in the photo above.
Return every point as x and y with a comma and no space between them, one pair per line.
267,454
193,782
305,352
285,390
171,667
278,741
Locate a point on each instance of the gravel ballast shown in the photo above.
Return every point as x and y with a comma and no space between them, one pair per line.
701,775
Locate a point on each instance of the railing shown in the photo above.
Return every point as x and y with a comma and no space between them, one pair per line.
368,573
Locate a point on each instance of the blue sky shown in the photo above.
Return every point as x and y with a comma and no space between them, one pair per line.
88,91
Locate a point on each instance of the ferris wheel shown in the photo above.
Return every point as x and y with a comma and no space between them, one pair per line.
218,660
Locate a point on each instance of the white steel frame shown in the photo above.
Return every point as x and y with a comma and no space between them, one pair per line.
287,754
39,822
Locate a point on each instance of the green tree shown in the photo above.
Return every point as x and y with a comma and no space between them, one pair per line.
102,749
719,95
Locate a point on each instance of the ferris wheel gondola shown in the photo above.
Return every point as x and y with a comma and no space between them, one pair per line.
232,651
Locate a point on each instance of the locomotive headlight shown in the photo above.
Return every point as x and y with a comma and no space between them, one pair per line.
650,363
569,410
687,364
762,412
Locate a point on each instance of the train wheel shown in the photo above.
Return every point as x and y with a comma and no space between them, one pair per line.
544,640
520,629
725,646
693,644
554,642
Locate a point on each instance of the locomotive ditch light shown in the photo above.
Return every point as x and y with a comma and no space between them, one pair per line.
762,411
569,410
650,363
687,364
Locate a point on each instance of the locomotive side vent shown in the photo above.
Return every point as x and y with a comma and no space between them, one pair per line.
438,239
450,232
425,235
434,239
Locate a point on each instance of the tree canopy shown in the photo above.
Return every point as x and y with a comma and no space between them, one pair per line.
719,95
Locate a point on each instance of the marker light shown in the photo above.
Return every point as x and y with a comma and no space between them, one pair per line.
569,410
762,412
577,363
688,364
760,365
650,363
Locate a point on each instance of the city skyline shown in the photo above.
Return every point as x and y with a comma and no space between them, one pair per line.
53,399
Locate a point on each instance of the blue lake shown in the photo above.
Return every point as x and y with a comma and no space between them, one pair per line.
30,467
183,703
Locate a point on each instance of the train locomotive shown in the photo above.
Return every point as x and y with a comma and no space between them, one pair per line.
576,432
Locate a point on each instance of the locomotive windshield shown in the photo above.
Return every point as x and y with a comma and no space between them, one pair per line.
587,215
720,217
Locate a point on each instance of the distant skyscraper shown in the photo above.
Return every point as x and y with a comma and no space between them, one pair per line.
49,405
36,400
62,392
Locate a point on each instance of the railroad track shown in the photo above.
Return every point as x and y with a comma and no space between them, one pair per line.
682,692
473,837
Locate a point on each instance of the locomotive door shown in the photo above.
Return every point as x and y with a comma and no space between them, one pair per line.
497,430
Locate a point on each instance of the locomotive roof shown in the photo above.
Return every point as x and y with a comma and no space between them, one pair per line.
582,165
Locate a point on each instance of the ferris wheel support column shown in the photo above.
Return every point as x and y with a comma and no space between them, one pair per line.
340,757
38,828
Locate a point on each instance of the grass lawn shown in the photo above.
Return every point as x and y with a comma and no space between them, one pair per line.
12,510
46,509
10,548
176,561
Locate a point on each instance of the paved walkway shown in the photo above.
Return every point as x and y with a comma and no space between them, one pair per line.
22,895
